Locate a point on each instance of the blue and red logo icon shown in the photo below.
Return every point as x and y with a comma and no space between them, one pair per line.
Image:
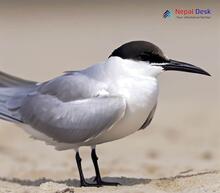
167,14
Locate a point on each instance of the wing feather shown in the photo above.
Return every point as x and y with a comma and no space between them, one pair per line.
74,121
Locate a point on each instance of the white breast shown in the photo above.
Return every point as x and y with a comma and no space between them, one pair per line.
141,96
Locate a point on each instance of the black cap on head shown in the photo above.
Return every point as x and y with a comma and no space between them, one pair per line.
146,51
140,51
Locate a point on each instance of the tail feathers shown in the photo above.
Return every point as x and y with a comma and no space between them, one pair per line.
10,118
12,92
11,99
7,80
9,106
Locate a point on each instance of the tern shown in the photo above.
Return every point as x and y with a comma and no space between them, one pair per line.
104,102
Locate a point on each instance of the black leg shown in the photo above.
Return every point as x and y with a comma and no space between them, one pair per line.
98,178
82,179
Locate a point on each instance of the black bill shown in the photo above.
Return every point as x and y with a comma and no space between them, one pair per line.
184,67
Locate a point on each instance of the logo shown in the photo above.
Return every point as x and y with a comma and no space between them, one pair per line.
180,13
167,14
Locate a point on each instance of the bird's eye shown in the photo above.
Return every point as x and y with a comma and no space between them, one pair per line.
151,58
144,57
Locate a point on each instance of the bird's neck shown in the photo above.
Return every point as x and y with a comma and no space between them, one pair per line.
115,67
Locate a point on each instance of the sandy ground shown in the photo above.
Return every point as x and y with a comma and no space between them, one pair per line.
180,150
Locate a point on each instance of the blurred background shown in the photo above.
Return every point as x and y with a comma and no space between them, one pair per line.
41,39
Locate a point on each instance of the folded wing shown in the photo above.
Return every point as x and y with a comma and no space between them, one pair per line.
74,121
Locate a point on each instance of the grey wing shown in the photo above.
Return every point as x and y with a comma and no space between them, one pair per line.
71,87
66,88
74,121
